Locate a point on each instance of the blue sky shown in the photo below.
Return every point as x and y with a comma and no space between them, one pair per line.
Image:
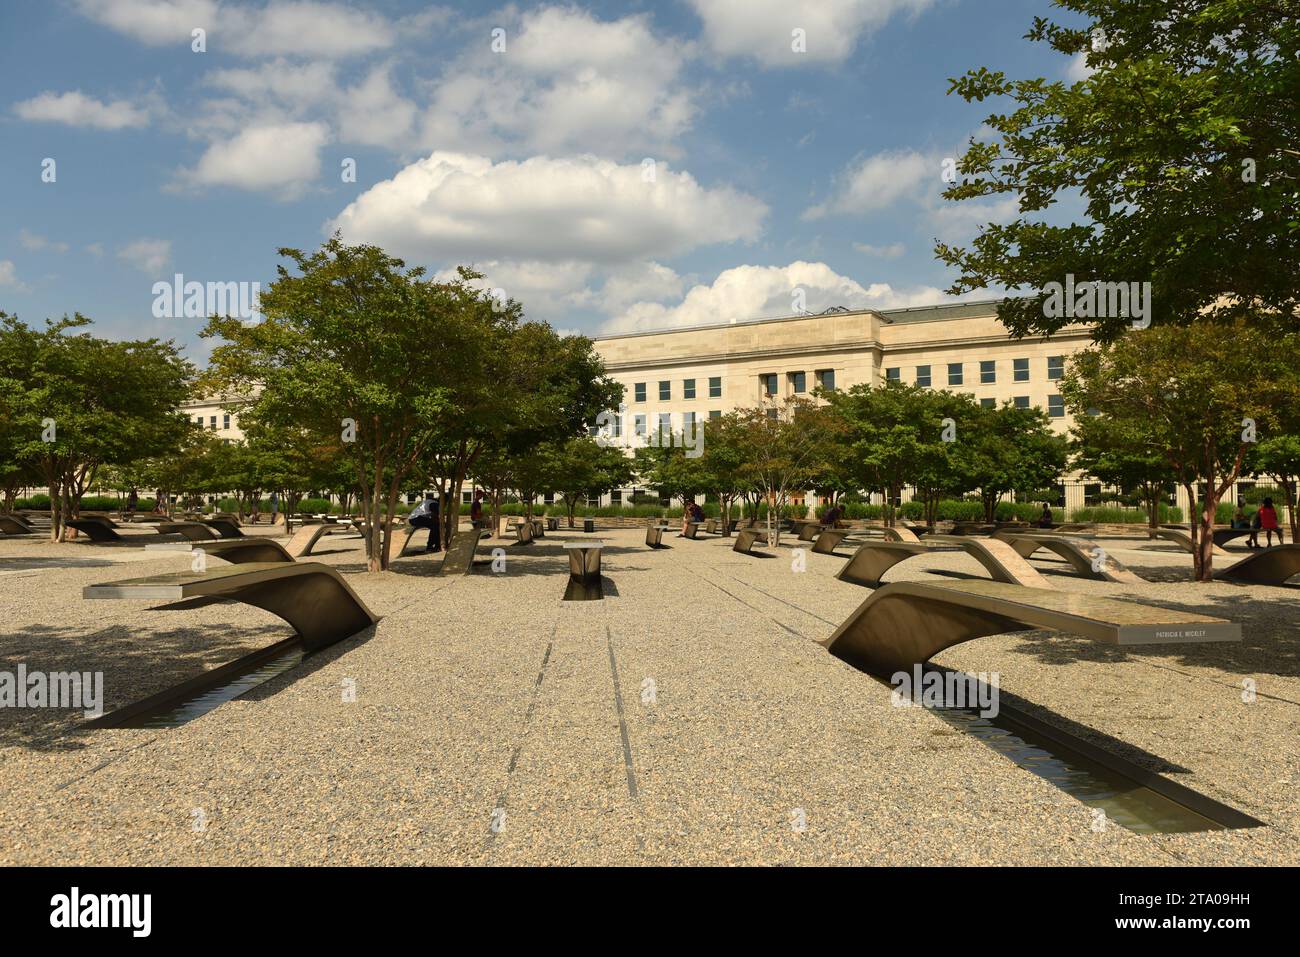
615,167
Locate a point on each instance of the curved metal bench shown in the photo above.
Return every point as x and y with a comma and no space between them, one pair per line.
11,525
246,549
900,533
525,532
1082,556
745,539
459,556
93,529
873,559
224,527
829,539
1183,540
903,624
313,598
1269,566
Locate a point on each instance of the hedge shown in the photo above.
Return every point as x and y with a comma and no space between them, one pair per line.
1111,515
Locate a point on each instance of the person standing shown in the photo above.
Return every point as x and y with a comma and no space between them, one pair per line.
476,510
275,506
132,500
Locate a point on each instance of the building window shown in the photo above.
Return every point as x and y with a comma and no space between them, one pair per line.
798,382
688,422
923,376
1092,494
892,375
638,422
1056,406
988,371
688,388
665,391
1021,401
768,383
954,373
715,387
715,414
212,423
616,496
771,414
1020,370
638,391
548,498
225,421
988,403
665,425
826,379
1055,367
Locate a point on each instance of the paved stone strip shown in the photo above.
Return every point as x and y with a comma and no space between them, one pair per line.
622,721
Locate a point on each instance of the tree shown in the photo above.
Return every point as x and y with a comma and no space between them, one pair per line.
781,445
1011,449
349,348
583,468
80,403
1203,394
1182,147
1279,457
1117,451
724,462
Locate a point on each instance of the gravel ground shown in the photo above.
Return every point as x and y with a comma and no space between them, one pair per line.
690,717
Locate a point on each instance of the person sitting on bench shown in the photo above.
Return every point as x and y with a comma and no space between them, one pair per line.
425,515
476,510
1045,518
831,517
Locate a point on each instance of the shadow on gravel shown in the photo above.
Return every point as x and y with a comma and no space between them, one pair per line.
136,661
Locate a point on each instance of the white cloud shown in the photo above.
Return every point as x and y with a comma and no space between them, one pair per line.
878,181
95,249
566,82
300,29
147,255
374,113
1078,68
9,276
891,251
762,29
156,22
38,244
452,206
755,292
76,109
283,158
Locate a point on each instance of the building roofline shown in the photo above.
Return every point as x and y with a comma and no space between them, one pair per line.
907,314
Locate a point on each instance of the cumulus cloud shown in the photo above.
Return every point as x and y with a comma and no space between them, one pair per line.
147,255
877,181
74,108
755,292
566,82
761,29
1078,68
283,158
451,205
303,28
37,244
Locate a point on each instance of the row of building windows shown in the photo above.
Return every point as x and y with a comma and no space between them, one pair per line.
988,372
212,421
688,389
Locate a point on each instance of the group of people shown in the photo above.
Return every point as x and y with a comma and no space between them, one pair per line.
1264,520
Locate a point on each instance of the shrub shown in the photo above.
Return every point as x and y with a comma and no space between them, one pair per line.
1165,514
314,505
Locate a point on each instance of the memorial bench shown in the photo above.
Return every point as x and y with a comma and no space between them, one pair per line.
829,539
225,527
1086,559
692,530
12,525
313,598
745,539
458,559
584,559
903,624
98,532
872,559
1183,539
1269,566
238,551
654,535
